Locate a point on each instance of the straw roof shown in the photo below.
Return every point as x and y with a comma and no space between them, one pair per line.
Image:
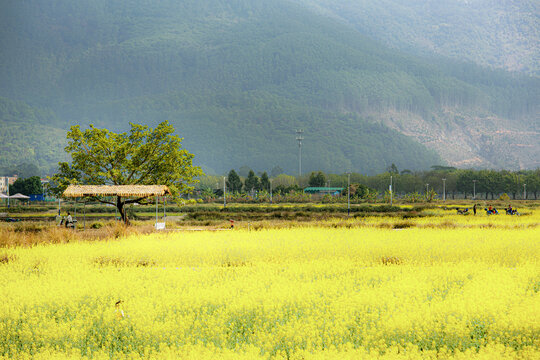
116,190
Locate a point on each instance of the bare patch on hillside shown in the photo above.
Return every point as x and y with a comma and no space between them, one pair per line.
471,140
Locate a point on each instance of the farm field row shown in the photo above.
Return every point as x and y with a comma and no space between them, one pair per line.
466,291
212,215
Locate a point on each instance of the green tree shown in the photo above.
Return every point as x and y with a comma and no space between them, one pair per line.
265,182
29,186
317,179
511,183
532,180
252,182
144,156
234,184
362,191
359,191
285,181
430,195
464,182
392,169
210,182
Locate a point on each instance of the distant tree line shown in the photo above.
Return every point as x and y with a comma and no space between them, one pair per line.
406,184
457,183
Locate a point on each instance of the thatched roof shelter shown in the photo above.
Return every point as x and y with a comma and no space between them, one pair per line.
116,190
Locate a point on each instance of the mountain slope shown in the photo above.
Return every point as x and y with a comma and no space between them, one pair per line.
237,77
26,137
501,34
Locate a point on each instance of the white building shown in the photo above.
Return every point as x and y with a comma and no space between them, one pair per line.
4,181
3,185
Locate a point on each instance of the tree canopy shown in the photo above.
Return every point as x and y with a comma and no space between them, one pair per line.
144,156
252,182
265,182
28,186
234,184
317,179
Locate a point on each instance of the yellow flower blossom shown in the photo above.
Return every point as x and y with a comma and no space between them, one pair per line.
470,291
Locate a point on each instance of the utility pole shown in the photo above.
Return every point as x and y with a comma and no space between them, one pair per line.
427,190
299,138
348,194
7,182
224,193
391,192
444,189
270,191
524,191
474,190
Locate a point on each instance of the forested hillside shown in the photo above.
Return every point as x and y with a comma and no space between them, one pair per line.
28,135
498,33
236,77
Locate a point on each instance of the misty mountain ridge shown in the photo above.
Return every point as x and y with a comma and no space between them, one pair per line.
501,34
236,78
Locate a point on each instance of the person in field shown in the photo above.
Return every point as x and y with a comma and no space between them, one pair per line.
511,211
69,220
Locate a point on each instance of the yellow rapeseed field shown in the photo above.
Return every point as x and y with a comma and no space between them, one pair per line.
450,287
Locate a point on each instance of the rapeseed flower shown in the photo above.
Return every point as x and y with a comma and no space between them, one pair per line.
367,292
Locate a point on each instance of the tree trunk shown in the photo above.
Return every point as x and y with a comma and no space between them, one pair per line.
120,205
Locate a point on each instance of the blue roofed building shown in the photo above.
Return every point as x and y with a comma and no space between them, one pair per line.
321,191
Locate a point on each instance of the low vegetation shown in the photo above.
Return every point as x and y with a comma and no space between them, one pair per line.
38,227
439,286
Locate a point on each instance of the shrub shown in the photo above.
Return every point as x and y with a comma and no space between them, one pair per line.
28,228
96,225
403,225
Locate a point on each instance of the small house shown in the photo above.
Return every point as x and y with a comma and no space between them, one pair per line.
321,191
